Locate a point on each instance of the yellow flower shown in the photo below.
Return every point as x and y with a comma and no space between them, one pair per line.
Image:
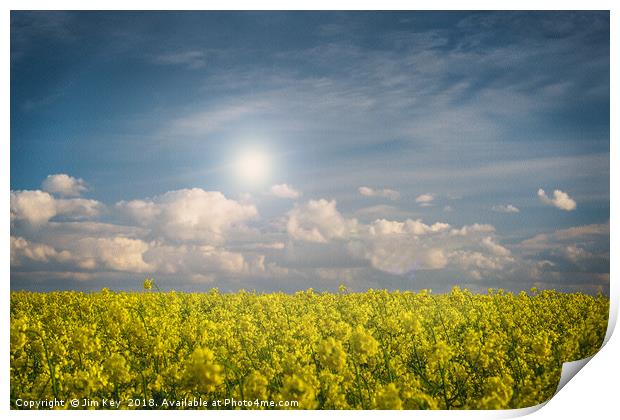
148,284
116,368
295,388
332,354
202,372
363,344
255,386
388,398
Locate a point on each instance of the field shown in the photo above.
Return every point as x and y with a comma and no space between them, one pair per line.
377,349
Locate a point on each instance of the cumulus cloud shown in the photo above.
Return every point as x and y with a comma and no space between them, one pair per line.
209,260
36,207
399,247
22,249
190,215
79,208
202,236
495,248
284,191
180,232
385,192
64,185
406,247
318,221
479,264
119,254
560,200
505,208
413,227
473,229
391,257
425,200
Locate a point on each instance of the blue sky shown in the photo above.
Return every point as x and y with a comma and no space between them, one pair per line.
397,150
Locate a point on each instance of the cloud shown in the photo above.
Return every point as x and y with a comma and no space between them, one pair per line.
473,229
207,259
119,254
573,254
399,247
64,185
318,221
79,208
575,235
403,247
413,227
425,200
381,210
385,192
192,59
216,118
505,208
560,200
22,249
193,235
480,265
284,191
410,246
36,207
495,248
400,257
194,215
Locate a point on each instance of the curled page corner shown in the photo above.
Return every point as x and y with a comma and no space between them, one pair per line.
570,369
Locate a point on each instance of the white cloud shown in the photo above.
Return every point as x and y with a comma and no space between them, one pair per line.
190,215
64,185
119,254
425,200
209,262
401,256
480,264
412,227
560,200
21,248
284,191
385,192
37,207
34,207
495,248
576,253
402,247
505,208
472,229
79,208
318,221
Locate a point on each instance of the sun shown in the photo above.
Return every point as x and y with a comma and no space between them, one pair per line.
252,166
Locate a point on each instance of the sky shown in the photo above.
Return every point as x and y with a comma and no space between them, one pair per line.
279,151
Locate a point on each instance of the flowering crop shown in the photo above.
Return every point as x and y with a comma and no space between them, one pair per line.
377,349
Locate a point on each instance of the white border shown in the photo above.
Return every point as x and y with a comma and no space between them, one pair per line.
592,394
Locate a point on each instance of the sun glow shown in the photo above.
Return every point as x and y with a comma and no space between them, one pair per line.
252,166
